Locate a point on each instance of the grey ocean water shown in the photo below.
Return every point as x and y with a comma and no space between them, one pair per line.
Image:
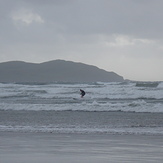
113,108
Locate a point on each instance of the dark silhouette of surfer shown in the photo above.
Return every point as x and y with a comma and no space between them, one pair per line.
82,93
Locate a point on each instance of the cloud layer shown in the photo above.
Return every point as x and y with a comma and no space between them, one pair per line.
121,36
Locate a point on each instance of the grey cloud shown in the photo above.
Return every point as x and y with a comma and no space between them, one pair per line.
129,17
141,19
109,33
48,2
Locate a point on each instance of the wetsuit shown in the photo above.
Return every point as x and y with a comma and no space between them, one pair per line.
82,93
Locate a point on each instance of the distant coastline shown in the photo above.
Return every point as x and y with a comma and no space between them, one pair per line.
55,71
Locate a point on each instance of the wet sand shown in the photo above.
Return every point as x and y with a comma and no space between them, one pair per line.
18,147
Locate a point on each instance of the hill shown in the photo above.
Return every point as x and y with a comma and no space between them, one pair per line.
52,71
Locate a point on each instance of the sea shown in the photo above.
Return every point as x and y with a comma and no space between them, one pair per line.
128,107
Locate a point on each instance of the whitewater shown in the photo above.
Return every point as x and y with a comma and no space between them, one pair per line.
116,107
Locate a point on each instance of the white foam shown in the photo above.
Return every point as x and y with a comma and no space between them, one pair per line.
160,85
99,97
80,129
133,106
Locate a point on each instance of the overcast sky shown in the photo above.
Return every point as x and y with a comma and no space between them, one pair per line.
124,36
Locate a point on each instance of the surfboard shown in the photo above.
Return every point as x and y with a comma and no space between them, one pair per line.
77,99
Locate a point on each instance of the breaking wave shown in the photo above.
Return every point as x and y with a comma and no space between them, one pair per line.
147,84
122,96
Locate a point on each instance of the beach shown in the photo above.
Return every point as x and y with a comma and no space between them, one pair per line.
19,147
119,122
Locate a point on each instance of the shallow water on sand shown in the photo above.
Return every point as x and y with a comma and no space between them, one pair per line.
78,148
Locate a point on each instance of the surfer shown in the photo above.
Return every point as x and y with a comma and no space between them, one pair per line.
82,93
